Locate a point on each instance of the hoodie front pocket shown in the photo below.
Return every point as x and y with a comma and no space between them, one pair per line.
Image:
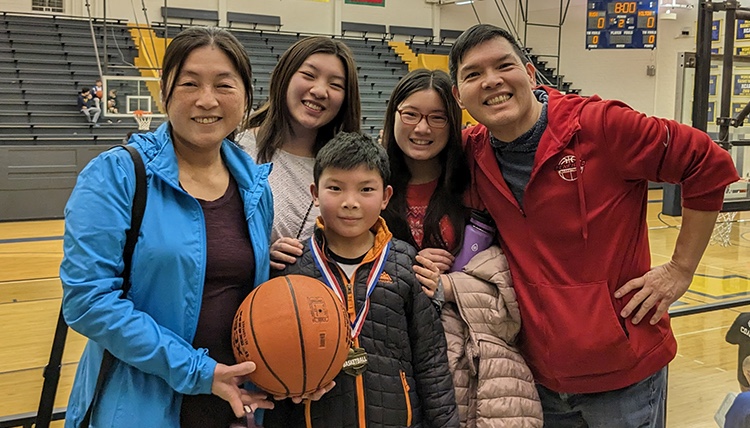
573,330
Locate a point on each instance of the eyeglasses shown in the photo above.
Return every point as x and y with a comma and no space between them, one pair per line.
411,117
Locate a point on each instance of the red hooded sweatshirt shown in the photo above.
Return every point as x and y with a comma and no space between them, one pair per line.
582,234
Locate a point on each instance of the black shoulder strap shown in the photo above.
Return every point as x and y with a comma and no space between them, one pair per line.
52,370
139,207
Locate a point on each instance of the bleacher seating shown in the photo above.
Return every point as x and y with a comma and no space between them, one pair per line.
44,63
46,60
549,74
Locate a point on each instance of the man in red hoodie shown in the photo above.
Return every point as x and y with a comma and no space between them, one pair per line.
566,180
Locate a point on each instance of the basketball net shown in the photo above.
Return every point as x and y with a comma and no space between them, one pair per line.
143,118
723,229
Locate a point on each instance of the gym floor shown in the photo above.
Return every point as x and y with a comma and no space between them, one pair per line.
703,372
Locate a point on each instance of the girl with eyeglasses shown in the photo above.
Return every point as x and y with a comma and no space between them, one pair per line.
422,134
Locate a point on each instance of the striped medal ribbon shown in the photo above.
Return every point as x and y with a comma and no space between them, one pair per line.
330,280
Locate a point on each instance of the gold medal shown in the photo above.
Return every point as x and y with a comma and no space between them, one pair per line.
356,361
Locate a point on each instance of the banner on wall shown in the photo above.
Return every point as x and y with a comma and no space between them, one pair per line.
742,84
367,2
737,108
715,29
712,84
743,29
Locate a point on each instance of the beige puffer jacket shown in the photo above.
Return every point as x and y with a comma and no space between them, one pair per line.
494,386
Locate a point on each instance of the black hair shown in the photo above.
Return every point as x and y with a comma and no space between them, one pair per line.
477,35
349,150
454,178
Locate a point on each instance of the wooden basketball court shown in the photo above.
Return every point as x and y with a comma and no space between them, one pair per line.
699,378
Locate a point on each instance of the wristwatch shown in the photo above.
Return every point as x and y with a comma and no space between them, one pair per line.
438,299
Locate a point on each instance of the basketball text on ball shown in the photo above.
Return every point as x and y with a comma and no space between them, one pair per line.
322,343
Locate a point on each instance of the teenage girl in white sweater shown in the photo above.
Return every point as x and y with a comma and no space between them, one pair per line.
314,94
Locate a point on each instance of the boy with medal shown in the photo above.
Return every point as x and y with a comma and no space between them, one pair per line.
397,372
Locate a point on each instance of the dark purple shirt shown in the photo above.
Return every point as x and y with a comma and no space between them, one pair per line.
230,271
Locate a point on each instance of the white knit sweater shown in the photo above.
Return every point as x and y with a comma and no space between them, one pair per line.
290,182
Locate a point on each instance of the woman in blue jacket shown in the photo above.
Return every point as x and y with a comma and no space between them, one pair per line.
203,246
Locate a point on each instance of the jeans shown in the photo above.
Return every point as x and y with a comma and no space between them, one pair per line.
96,111
640,405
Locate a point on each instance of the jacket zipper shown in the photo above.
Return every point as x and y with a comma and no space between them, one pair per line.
405,384
352,310
308,414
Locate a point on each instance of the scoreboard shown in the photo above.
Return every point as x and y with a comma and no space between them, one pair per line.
621,24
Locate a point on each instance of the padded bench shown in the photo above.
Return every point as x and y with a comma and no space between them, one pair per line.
254,20
449,35
412,32
190,14
363,29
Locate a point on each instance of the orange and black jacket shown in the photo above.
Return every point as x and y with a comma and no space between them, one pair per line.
407,382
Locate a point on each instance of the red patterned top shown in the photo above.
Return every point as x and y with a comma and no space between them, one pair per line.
417,198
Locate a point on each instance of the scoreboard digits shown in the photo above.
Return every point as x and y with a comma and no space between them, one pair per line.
621,7
621,24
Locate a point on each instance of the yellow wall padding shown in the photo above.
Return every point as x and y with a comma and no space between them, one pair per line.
150,55
430,62
433,62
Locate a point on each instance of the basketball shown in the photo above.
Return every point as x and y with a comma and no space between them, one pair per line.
297,333
99,94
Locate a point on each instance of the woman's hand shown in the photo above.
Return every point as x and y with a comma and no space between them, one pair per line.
314,396
285,252
440,257
226,384
428,275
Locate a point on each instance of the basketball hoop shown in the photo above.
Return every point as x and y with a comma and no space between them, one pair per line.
143,118
723,229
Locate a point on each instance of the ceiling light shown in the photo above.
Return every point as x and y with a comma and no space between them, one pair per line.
675,5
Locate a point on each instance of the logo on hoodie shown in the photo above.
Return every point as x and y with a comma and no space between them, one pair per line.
567,169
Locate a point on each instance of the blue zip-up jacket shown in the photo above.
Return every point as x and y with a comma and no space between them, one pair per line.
151,331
